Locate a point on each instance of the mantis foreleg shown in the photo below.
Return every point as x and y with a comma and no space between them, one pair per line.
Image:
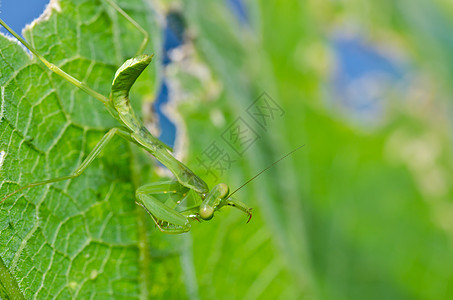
167,219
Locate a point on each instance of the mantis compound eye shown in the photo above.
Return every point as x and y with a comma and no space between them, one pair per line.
206,212
222,189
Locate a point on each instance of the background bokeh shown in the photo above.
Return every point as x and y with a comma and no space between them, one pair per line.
364,210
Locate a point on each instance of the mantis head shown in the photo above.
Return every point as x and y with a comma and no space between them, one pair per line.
217,198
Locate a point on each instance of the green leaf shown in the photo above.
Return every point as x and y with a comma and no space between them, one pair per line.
85,237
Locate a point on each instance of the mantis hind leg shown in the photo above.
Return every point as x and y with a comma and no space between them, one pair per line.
56,69
74,81
87,161
145,40
163,212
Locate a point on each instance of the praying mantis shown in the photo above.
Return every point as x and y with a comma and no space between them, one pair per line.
187,186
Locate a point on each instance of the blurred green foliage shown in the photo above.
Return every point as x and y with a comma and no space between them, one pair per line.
363,211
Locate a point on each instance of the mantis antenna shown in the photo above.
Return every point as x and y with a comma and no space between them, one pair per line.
267,168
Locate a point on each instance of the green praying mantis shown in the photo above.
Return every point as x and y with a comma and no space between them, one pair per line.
187,186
